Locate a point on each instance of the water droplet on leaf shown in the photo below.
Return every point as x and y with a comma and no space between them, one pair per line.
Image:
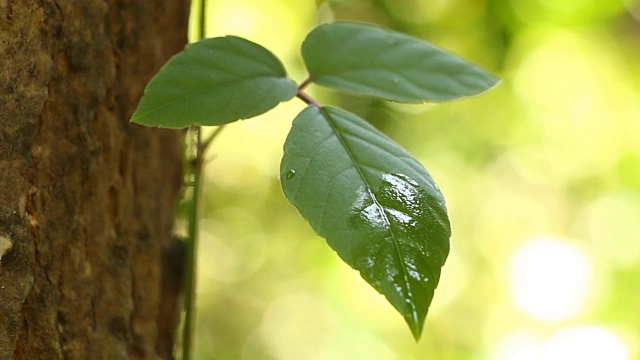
290,174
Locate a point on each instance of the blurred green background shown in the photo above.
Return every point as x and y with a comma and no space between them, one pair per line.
541,175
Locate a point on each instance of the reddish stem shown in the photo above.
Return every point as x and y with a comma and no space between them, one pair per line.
303,96
304,84
306,98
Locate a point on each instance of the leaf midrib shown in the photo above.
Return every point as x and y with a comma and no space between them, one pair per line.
399,253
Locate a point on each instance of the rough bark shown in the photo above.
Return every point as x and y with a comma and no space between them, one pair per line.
86,198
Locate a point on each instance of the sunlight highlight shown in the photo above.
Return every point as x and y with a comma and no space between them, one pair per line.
580,342
550,279
273,23
586,343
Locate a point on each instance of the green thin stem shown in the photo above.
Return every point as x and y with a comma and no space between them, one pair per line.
188,330
213,136
202,19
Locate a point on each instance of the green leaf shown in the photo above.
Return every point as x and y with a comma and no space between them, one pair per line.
378,208
369,60
213,82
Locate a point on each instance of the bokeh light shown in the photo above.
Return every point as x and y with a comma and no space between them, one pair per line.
577,342
586,342
611,222
550,279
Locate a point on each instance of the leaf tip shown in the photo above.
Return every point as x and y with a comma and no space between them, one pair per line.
416,324
135,118
494,81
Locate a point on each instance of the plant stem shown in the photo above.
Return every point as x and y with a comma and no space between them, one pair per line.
188,330
209,140
300,94
192,247
304,84
307,99
202,19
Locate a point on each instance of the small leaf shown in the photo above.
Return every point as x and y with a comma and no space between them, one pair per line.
378,208
369,60
214,82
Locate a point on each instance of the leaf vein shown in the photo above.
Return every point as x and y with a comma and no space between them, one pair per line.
380,207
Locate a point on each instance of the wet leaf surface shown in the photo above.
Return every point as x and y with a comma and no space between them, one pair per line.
377,207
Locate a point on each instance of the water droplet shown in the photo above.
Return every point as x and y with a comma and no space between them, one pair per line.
290,174
396,81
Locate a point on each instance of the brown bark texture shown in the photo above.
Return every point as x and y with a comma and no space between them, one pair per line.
86,199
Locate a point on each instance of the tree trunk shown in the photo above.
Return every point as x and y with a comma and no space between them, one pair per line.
86,199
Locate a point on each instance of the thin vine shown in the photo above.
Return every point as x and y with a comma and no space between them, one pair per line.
188,330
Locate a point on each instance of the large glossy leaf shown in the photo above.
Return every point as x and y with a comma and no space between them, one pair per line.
213,82
375,204
369,60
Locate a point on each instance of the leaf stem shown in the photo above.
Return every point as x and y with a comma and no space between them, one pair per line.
306,98
304,84
300,94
